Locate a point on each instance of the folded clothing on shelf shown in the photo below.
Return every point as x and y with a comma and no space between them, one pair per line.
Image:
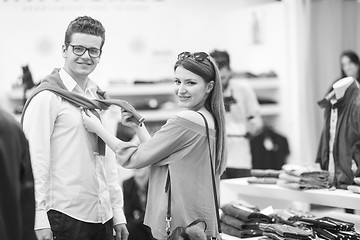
302,178
330,228
229,230
298,186
245,214
262,180
243,222
263,176
353,188
283,231
328,223
265,173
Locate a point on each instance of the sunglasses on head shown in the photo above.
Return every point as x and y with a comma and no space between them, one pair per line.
198,56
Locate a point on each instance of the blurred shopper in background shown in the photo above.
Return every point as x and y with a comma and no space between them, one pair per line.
242,118
17,204
350,65
78,196
178,154
135,197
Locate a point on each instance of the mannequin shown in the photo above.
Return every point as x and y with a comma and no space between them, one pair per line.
339,89
339,144
341,86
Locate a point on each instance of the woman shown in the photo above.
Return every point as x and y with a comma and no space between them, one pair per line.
350,65
179,148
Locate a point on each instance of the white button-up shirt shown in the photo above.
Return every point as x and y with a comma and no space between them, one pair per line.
69,177
332,132
238,150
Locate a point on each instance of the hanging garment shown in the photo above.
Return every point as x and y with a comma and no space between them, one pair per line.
346,146
269,150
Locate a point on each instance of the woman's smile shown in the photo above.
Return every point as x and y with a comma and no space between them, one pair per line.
183,98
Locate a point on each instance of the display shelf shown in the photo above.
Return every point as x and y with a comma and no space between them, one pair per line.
163,92
158,115
154,101
268,89
140,89
270,109
334,198
264,83
134,92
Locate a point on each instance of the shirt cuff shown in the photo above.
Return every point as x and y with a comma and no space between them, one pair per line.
119,216
41,220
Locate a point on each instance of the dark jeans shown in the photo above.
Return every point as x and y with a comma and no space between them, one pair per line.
138,231
68,228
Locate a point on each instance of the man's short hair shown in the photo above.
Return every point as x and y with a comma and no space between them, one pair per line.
87,25
221,58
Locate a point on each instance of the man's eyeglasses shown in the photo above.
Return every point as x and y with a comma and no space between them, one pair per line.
198,56
79,50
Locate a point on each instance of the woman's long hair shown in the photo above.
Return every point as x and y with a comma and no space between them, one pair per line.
208,70
354,58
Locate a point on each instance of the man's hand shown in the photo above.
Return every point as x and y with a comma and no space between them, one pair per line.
121,232
254,125
44,234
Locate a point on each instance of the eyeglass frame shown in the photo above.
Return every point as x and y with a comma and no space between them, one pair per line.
85,49
198,56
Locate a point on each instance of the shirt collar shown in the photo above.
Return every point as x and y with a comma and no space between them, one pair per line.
71,84
326,102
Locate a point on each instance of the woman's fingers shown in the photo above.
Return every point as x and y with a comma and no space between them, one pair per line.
124,113
89,113
84,114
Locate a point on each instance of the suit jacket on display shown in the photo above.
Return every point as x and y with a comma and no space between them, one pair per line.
347,137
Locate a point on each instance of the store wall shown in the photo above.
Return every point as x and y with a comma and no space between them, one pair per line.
143,37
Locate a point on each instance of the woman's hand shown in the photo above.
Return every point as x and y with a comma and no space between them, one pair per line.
90,121
127,119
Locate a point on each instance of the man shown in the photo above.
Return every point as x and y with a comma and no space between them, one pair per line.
17,203
135,198
242,118
77,193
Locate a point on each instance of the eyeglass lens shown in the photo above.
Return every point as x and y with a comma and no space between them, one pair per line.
80,50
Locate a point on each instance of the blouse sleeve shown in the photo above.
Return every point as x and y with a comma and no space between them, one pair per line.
171,138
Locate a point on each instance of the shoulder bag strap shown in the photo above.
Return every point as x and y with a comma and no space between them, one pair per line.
212,175
168,211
